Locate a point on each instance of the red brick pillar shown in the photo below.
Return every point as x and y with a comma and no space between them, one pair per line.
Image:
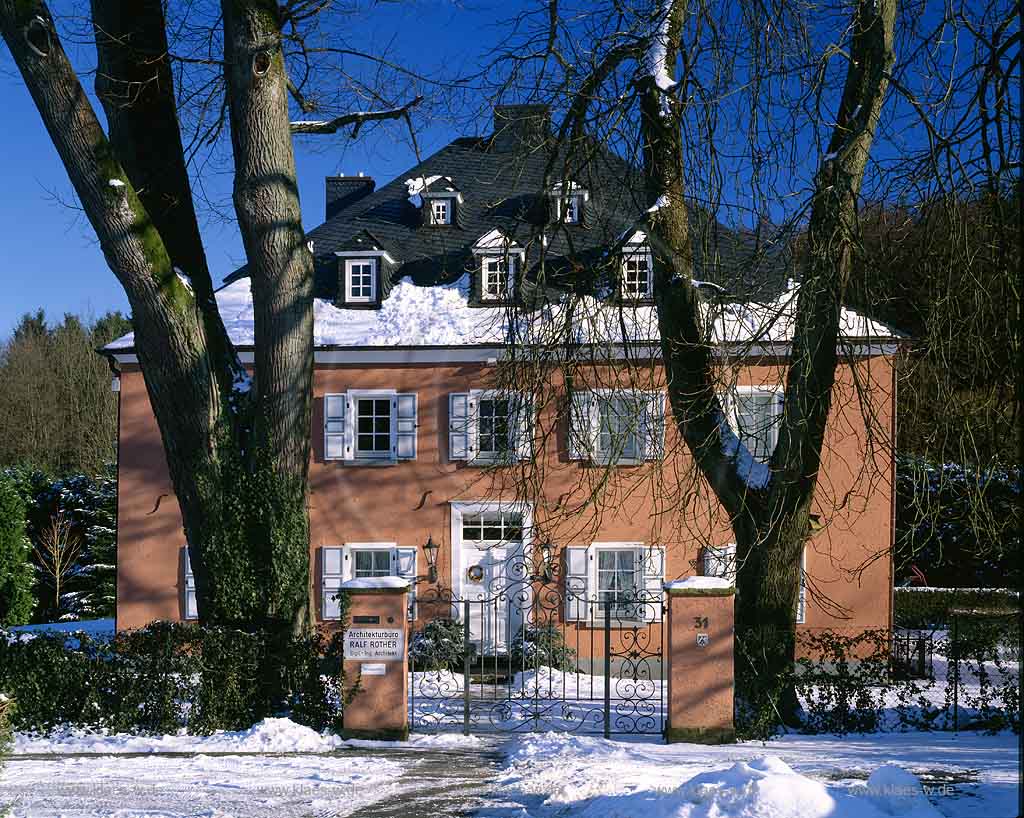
375,657
700,664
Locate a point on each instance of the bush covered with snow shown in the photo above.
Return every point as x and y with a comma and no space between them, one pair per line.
438,645
541,646
847,683
163,678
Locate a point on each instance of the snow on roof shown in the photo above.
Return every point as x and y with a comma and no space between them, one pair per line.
494,240
418,185
441,315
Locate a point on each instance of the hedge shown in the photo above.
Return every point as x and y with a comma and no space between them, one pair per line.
165,677
930,607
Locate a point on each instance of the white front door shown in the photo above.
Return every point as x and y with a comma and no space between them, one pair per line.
490,541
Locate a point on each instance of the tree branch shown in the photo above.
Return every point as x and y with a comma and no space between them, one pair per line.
357,120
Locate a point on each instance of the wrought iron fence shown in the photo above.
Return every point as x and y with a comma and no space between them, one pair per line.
530,656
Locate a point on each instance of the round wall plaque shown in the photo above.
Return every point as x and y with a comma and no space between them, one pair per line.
475,573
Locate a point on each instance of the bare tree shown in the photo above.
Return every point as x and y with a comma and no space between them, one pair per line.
57,551
237,447
767,117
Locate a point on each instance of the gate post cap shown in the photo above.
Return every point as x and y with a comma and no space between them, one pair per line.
700,586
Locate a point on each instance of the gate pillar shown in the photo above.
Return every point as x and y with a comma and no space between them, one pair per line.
375,659
700,660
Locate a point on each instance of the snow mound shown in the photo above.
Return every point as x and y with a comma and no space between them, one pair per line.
767,787
271,735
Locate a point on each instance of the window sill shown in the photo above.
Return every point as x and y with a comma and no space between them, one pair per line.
372,462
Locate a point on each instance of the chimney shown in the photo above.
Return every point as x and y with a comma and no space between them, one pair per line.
521,127
345,190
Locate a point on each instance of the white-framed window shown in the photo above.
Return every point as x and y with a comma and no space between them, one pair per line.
373,419
617,426
569,209
621,579
340,563
720,561
361,280
754,413
637,274
371,562
370,426
489,426
497,277
440,211
190,605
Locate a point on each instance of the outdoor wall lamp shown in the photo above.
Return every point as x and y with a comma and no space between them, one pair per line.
547,560
431,548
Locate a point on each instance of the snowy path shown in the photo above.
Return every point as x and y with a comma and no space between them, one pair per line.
364,782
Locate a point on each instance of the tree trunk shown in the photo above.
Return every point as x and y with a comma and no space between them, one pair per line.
237,456
266,200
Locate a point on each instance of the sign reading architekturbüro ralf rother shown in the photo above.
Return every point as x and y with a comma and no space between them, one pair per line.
375,643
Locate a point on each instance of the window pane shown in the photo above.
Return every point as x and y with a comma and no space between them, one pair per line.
373,425
376,563
492,527
493,426
617,582
755,419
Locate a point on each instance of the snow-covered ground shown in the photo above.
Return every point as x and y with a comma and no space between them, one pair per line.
968,776
93,628
283,769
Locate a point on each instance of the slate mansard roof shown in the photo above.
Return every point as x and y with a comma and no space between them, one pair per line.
427,298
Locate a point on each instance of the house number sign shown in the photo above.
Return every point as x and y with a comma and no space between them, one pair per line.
700,623
382,644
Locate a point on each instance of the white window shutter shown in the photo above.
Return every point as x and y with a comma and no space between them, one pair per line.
405,427
577,583
582,426
404,565
458,426
331,577
521,428
350,427
652,426
191,604
652,559
720,561
801,602
336,424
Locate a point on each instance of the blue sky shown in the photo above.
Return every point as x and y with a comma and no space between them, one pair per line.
51,258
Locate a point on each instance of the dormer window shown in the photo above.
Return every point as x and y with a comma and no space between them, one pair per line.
569,200
441,211
498,276
573,209
499,262
360,280
436,197
636,274
364,270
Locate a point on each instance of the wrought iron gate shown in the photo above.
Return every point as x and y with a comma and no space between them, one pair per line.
533,656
